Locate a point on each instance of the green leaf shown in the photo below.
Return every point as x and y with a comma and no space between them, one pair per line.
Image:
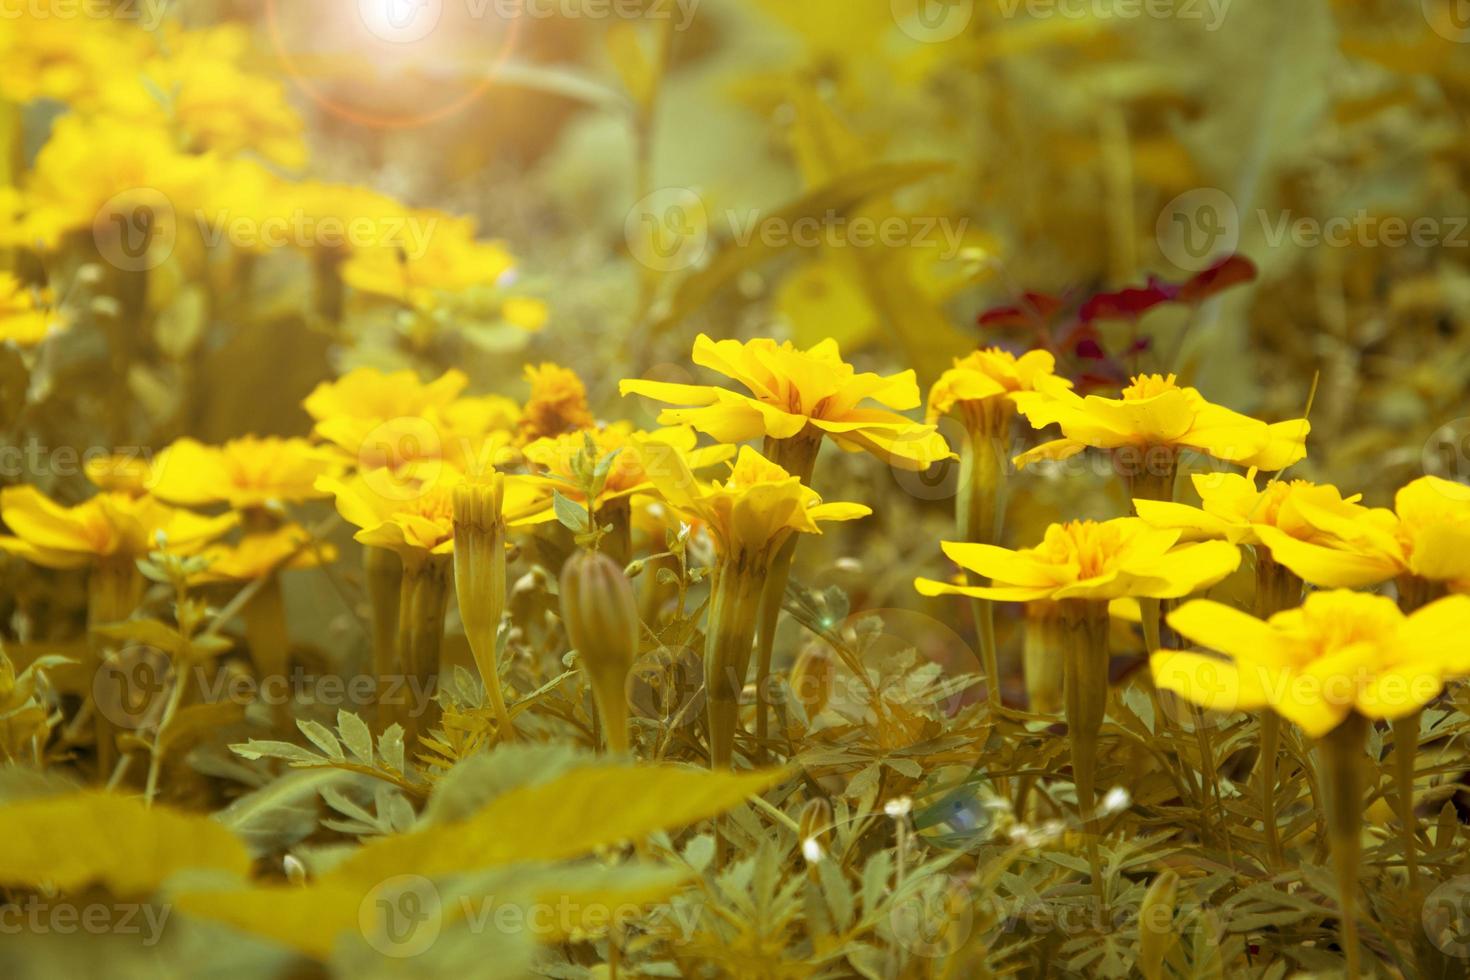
571,514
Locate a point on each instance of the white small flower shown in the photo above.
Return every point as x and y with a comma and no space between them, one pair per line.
811,849
295,870
898,807
1116,801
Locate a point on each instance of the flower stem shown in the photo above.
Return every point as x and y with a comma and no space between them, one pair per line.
797,456
735,601
1405,745
384,573
423,601
1086,626
1277,589
1341,754
113,592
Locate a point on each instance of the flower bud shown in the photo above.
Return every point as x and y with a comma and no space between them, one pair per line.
600,612
479,577
812,678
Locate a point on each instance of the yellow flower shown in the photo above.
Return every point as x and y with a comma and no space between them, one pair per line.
1427,536
558,404
1340,651
261,553
989,378
244,473
68,59
1154,411
108,526
98,170
124,472
794,393
26,317
1234,509
639,454
415,518
395,421
752,512
1090,560
448,260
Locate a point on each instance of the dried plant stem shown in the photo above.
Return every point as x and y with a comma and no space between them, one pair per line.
1086,626
1340,755
1270,746
797,456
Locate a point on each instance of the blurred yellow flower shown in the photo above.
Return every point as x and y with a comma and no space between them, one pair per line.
107,526
754,510
984,382
1154,411
99,174
1426,535
1339,652
1090,560
415,518
367,393
799,393
246,473
130,473
447,260
26,317
558,404
262,553
68,59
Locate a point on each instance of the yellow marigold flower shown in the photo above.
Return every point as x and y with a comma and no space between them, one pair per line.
448,260
795,392
1234,509
124,472
985,380
108,526
753,511
26,317
395,420
413,517
246,473
558,403
1340,652
1426,535
639,454
1154,411
95,169
68,59
264,552
1090,560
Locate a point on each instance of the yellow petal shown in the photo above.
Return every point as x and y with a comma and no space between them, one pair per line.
1211,682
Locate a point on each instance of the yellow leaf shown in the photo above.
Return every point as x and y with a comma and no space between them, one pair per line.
92,837
565,818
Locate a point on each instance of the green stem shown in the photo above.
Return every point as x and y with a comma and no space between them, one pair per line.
1341,754
113,592
797,456
423,602
1270,747
736,598
1405,745
1086,625
384,574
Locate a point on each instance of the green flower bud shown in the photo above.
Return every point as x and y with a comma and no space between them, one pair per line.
601,616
